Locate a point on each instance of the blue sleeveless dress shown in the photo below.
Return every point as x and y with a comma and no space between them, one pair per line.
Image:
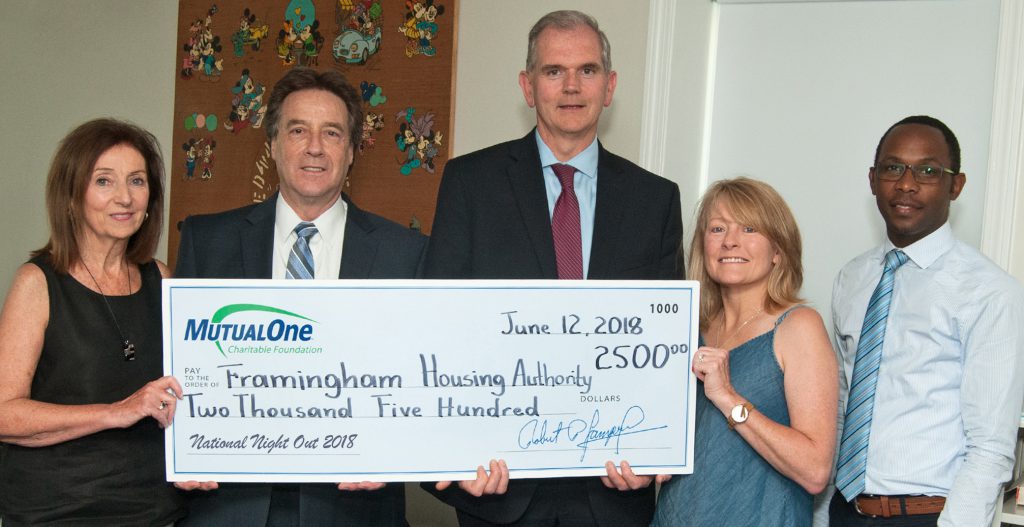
731,483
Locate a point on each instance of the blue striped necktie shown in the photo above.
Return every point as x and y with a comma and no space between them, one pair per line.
300,259
853,450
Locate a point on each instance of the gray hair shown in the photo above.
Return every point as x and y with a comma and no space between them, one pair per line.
566,20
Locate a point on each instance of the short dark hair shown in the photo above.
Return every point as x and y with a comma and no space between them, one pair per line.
70,175
567,20
951,143
300,78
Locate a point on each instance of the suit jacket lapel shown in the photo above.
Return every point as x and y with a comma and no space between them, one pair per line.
360,247
258,240
526,178
609,213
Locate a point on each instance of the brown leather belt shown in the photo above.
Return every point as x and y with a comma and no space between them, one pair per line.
888,506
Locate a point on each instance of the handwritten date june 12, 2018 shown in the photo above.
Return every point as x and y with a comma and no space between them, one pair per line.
572,324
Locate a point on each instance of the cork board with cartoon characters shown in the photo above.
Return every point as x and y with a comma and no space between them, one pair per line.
399,54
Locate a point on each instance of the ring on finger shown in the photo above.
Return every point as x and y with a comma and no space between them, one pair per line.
700,357
163,404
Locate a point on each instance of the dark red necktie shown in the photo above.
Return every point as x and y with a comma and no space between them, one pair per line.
565,227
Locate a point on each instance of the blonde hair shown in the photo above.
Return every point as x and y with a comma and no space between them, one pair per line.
754,204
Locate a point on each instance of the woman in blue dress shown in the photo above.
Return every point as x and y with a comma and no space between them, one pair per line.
768,385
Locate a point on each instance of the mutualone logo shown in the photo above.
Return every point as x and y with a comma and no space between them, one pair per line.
250,336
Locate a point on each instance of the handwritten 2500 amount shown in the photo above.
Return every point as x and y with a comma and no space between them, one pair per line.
638,356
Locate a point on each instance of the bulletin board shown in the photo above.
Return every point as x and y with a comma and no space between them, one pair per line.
398,54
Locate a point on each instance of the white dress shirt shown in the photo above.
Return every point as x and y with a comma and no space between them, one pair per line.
325,244
951,380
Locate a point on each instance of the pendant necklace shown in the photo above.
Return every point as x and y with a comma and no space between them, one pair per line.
734,333
128,348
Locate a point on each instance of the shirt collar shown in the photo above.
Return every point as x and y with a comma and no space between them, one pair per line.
925,251
584,162
329,224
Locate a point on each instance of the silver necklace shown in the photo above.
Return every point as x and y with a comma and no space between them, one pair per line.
721,343
128,348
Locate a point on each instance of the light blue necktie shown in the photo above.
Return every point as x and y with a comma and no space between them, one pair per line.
853,450
300,259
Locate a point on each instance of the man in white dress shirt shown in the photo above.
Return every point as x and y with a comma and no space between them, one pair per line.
949,384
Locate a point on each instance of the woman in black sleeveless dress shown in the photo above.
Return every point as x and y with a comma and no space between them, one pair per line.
82,399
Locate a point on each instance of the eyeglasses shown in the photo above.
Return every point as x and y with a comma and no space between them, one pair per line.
923,174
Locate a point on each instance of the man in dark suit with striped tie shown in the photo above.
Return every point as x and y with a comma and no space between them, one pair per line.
307,230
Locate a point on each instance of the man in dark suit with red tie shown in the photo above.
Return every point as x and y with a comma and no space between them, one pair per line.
556,204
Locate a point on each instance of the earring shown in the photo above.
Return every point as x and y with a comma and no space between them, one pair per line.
146,217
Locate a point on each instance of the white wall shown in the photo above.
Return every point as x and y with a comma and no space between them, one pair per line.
67,63
803,92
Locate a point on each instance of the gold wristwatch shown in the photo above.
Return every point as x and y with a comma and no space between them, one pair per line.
739,414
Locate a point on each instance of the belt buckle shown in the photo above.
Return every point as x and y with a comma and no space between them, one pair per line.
856,506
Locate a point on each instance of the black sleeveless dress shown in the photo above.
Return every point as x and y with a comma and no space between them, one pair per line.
113,477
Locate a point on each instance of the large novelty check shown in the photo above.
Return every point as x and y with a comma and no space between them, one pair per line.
403,380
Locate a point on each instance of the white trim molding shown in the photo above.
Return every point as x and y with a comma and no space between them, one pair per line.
1006,140
709,102
657,84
